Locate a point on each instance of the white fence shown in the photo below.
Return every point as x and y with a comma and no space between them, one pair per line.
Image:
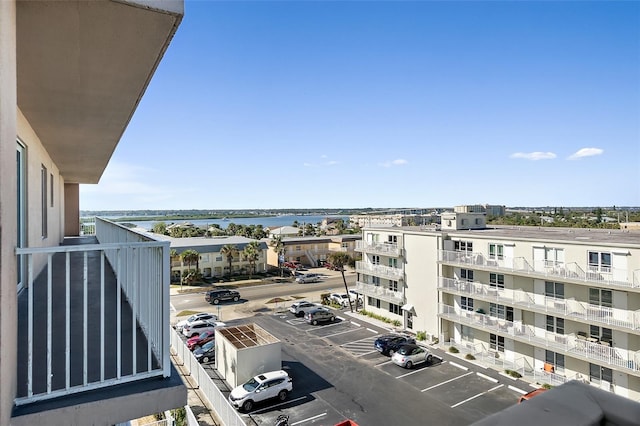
227,414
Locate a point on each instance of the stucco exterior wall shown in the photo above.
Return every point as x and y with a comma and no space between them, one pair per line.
421,272
8,239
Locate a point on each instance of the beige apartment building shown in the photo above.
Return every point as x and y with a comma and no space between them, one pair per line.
313,251
553,304
84,321
212,263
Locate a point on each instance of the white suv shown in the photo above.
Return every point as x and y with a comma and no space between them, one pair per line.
274,384
299,308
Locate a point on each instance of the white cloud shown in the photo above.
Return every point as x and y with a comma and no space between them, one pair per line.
331,163
586,152
307,164
534,156
398,162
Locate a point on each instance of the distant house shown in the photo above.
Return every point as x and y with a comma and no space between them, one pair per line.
284,231
313,251
212,263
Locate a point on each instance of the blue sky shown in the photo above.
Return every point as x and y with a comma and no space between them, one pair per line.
297,104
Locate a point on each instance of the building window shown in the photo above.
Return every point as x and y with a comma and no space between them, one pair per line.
393,285
496,251
555,359
598,373
463,246
51,186
466,303
218,258
394,308
21,200
601,333
552,289
555,324
393,262
601,297
375,259
298,248
466,274
466,333
372,301
599,261
375,281
44,188
496,342
392,239
496,280
501,311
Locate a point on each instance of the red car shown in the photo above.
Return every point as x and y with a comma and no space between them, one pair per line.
200,339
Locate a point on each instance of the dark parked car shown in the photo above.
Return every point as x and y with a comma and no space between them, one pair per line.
216,296
318,315
206,353
389,343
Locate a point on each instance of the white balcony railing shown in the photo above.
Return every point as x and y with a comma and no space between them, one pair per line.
382,271
614,277
384,249
570,344
568,308
386,294
94,315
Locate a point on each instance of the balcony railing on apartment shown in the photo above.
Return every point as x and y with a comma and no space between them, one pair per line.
384,249
569,308
93,314
383,293
571,344
382,271
608,276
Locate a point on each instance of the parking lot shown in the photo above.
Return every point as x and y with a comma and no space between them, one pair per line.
338,374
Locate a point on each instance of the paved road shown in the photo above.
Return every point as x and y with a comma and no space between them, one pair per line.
254,299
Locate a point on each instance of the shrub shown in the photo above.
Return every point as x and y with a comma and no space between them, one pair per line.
513,373
470,357
453,350
421,335
396,323
546,386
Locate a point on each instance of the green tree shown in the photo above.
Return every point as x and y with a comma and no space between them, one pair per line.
189,257
159,228
339,259
278,246
229,251
251,254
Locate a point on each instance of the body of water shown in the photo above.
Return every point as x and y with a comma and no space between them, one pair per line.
264,221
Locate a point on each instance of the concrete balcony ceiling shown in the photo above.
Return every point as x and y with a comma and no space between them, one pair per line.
83,67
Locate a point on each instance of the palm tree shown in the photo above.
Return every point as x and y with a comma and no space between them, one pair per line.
251,253
229,251
190,257
339,259
279,248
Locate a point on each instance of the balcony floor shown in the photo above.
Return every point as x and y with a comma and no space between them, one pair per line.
76,329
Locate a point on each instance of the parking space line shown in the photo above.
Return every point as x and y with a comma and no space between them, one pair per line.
411,372
462,367
366,353
360,340
445,382
373,331
384,363
308,420
341,332
172,307
476,396
515,389
484,376
278,405
355,323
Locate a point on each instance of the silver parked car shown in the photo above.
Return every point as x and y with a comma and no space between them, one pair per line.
409,355
317,315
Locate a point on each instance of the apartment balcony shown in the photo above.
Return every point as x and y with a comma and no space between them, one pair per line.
568,308
383,249
382,293
93,341
571,344
569,272
381,271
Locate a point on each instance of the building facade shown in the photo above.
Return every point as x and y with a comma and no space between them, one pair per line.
77,345
554,304
313,251
212,263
